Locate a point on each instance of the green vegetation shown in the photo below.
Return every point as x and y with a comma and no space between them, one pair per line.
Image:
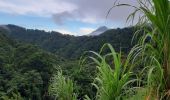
71,47
62,88
111,84
141,72
24,69
155,53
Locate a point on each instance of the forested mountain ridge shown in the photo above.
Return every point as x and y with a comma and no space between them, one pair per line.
70,46
26,69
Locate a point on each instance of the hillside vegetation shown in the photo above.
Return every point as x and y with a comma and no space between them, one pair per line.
70,46
39,65
24,69
23,61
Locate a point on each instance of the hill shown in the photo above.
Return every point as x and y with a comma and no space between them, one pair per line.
25,71
29,58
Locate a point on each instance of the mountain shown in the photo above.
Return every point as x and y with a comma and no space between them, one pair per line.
29,58
69,46
99,31
25,69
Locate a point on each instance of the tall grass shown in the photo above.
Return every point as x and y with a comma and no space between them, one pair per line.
160,19
158,49
155,53
62,88
113,75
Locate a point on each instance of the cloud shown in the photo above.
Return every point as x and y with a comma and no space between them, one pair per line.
59,18
87,11
43,8
64,31
85,31
95,11
80,31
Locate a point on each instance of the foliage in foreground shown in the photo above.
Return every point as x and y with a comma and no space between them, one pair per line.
62,88
113,76
153,48
155,53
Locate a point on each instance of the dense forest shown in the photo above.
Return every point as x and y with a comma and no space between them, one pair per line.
30,57
70,46
131,63
25,69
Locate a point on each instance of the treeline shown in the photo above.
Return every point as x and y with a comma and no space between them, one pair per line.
70,46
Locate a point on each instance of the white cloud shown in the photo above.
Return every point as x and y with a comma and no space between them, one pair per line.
90,20
64,31
85,31
60,30
79,32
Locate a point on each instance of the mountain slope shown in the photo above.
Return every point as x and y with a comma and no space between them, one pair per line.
70,46
26,69
99,31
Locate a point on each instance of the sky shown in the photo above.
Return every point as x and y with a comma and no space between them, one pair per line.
74,17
